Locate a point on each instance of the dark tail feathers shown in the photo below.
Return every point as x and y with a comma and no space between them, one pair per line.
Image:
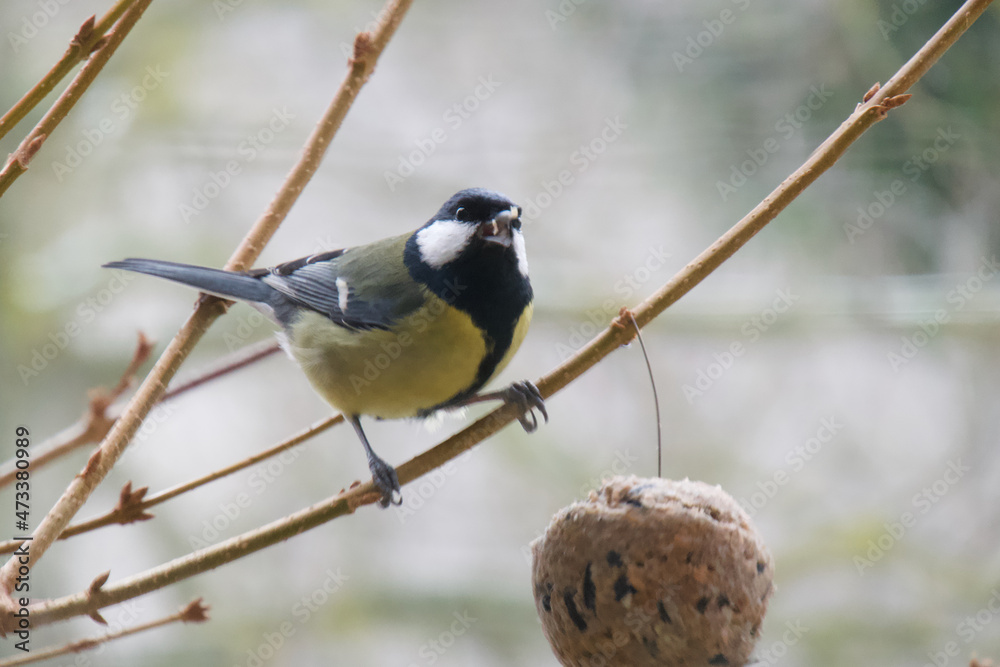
226,284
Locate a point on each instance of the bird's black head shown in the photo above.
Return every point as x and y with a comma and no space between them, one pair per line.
474,225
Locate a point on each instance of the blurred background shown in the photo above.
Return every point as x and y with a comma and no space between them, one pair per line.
838,376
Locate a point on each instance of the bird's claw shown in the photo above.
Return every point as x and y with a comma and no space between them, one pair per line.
385,480
525,395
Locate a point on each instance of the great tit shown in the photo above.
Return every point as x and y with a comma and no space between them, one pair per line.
401,327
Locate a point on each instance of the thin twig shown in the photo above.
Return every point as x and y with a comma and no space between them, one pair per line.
85,602
94,424
133,505
195,612
601,346
367,49
17,163
79,49
233,362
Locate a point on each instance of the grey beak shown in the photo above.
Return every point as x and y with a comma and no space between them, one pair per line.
498,229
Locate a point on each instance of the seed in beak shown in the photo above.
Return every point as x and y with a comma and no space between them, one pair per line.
498,230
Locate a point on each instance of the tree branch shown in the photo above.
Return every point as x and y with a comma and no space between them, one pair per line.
80,47
824,157
367,48
105,47
866,114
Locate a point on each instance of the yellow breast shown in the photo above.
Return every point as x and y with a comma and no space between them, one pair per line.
426,359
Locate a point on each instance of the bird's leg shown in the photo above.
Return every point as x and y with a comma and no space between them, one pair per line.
524,394
383,474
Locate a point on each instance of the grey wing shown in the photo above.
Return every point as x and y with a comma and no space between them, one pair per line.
347,291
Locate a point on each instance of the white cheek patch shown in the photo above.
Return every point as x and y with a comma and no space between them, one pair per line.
522,256
443,241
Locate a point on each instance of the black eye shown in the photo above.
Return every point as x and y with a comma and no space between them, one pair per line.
515,223
462,215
